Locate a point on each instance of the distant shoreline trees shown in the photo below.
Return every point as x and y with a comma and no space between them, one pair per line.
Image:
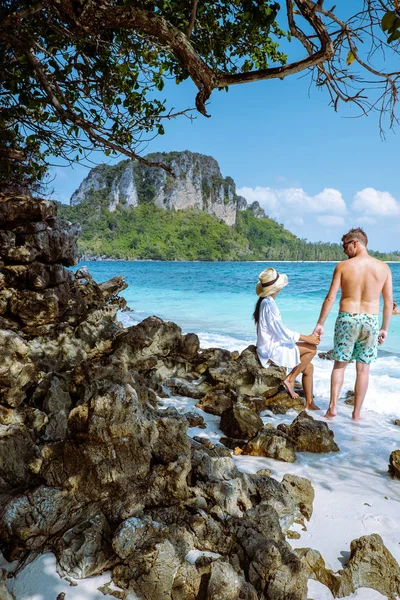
150,233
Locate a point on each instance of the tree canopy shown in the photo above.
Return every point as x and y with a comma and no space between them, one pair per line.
79,75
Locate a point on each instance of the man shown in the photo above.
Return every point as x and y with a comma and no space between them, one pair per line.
362,279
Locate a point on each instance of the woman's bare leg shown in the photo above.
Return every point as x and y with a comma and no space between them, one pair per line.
307,382
307,353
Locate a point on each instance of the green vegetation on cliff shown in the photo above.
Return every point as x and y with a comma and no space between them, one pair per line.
147,232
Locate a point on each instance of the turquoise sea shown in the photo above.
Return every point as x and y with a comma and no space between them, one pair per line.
216,301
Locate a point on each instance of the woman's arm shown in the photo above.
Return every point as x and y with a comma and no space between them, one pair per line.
314,339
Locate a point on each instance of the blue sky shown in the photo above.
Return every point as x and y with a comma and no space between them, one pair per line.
316,171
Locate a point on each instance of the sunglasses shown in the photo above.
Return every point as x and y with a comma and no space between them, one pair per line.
347,243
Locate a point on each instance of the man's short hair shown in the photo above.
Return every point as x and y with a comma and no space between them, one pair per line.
356,234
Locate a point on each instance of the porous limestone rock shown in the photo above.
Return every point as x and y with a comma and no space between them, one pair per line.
240,422
310,435
272,443
370,565
246,376
85,549
282,398
198,184
180,387
217,400
394,464
92,469
17,370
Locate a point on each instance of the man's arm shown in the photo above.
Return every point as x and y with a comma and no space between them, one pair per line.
329,300
387,295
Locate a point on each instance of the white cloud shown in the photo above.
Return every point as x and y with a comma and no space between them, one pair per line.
265,196
373,202
367,220
330,220
290,202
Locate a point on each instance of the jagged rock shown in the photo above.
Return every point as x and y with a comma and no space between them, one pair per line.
18,456
217,400
134,533
154,344
180,387
36,276
232,443
349,397
370,565
310,435
273,568
302,491
240,422
256,404
394,464
246,376
282,398
272,443
195,419
396,422
17,371
85,549
14,207
204,441
226,584
212,357
326,355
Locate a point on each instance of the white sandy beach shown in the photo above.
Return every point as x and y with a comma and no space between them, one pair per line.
354,494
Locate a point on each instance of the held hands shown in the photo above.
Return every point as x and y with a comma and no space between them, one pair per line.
382,335
319,329
314,339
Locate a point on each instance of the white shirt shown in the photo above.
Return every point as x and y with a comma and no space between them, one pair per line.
275,342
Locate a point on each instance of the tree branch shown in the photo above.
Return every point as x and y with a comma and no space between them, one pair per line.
192,19
18,16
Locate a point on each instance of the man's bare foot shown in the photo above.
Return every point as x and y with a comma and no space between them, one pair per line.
355,416
289,387
330,413
311,406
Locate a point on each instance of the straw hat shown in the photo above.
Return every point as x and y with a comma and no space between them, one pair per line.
270,282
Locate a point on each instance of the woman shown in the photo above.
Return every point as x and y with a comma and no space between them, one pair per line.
279,345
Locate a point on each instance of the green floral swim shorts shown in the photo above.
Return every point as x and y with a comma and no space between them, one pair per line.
356,337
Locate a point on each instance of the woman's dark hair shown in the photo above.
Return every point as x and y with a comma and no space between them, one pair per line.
256,313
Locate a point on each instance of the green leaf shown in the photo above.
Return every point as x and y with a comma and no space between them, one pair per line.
395,36
388,20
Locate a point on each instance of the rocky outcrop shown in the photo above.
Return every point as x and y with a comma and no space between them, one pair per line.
272,443
92,469
240,422
310,435
246,376
198,184
370,565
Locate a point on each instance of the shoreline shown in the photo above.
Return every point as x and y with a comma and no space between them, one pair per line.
107,259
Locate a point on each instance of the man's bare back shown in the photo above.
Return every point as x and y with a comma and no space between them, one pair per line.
362,279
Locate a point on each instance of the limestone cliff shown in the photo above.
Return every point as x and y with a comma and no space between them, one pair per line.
198,184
